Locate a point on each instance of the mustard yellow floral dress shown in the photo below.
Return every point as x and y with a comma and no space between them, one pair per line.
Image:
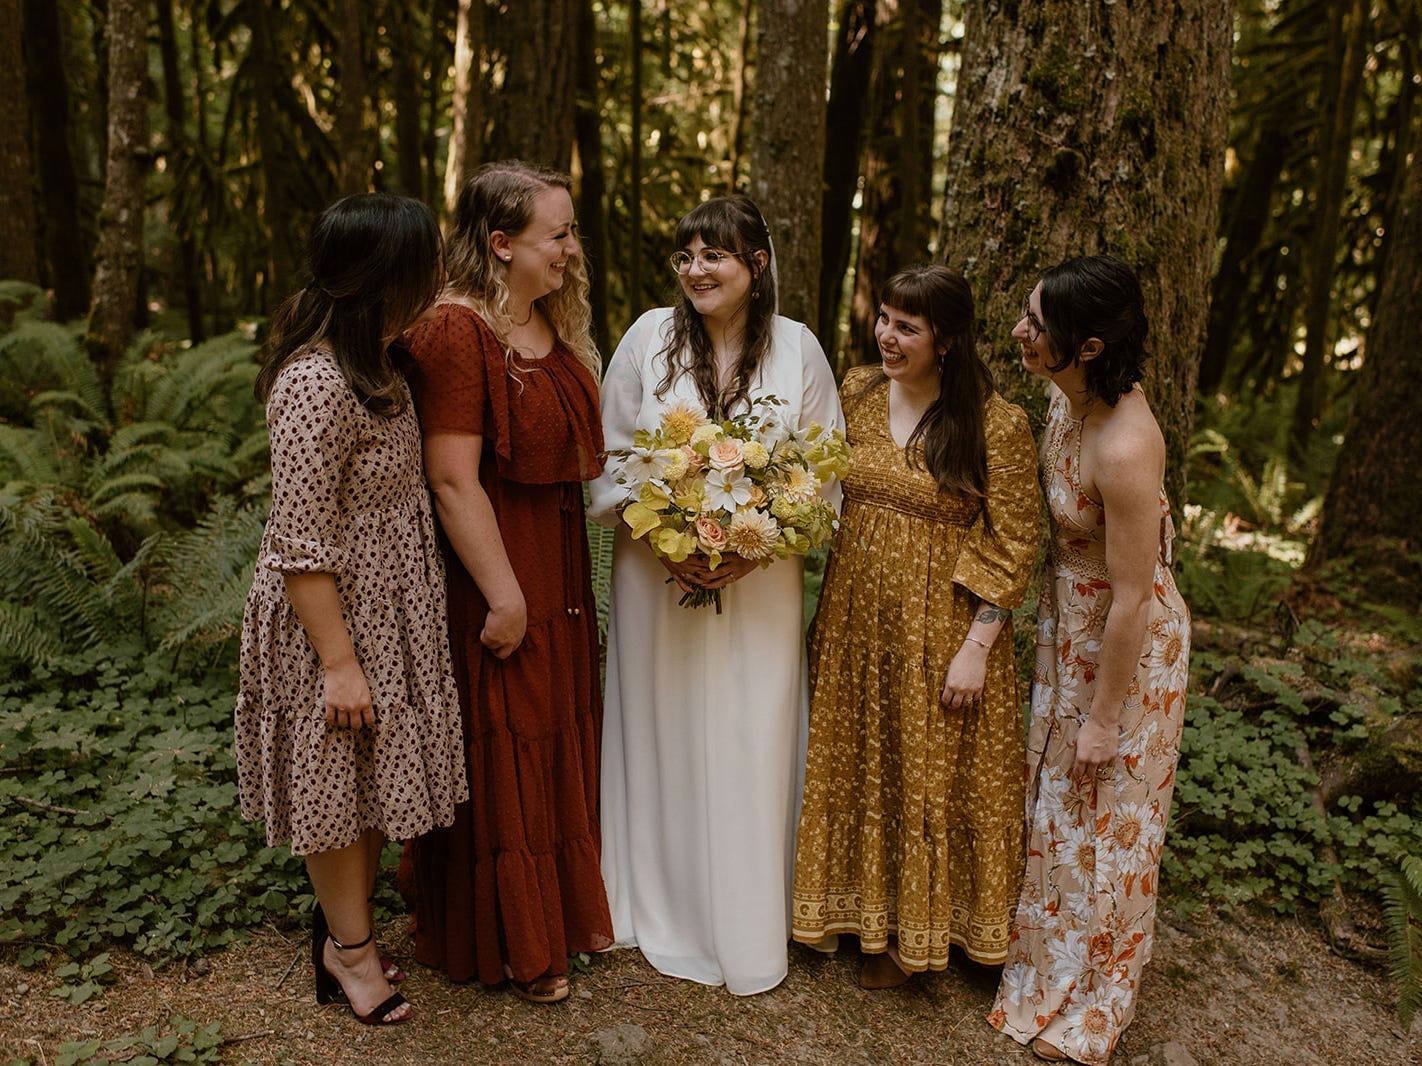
912,821
1087,913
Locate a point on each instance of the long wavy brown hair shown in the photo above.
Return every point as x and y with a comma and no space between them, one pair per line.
374,262
734,224
499,196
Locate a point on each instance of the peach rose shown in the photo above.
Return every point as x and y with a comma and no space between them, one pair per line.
711,534
726,454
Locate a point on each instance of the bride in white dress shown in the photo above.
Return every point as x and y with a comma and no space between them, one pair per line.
705,721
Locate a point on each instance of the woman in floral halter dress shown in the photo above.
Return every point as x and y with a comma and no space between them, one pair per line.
1108,696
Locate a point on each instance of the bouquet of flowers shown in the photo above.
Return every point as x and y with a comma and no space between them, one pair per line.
748,485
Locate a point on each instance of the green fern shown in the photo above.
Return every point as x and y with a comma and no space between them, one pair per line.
210,570
25,637
1402,902
39,357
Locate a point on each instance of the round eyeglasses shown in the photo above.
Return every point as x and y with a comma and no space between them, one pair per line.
1035,328
709,259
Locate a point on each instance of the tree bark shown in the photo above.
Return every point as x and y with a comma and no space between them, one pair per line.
1081,133
532,117
278,205
120,251
405,93
788,145
847,115
466,135
178,147
741,94
1248,212
1375,491
350,118
895,221
18,219
1334,156
66,248
592,188
635,282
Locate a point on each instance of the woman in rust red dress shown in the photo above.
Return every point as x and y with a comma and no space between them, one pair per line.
505,385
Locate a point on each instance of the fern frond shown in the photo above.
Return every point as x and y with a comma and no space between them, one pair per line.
36,357
26,455
210,570
23,637
93,550
1402,908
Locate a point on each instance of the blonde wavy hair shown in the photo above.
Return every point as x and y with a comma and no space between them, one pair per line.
499,196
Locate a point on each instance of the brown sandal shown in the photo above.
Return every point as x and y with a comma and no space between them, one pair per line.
1049,1052
882,970
550,988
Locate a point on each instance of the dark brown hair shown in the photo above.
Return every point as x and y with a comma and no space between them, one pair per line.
374,262
1097,296
953,431
732,223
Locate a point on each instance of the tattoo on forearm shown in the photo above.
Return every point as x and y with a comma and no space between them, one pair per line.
992,613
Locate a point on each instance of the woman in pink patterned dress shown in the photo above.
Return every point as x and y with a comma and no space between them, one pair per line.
1108,698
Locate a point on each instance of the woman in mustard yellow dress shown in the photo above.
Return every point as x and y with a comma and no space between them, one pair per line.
911,829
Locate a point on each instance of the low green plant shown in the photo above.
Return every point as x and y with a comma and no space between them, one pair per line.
1402,894
178,1040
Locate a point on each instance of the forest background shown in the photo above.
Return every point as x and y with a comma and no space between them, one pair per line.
160,161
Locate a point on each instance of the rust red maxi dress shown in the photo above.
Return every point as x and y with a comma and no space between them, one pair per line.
516,880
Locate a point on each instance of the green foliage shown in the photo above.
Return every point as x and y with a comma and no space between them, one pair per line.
1402,891
179,1040
118,780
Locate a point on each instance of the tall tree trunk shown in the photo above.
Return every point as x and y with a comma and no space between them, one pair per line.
438,58
405,55
1248,215
847,115
788,149
18,222
635,282
466,135
278,210
178,147
895,220
350,118
1052,156
532,117
66,247
592,198
741,94
1336,150
1375,491
120,252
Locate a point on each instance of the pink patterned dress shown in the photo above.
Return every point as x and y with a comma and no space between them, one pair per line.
1087,911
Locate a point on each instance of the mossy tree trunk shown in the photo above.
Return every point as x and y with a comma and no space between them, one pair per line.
1080,130
592,187
18,229
531,118
406,78
896,221
1375,491
179,149
120,252
788,143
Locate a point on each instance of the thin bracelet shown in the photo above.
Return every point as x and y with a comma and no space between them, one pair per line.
979,643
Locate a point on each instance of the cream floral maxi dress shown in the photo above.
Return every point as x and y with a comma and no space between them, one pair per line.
1087,911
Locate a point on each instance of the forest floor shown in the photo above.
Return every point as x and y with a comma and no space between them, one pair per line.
1237,990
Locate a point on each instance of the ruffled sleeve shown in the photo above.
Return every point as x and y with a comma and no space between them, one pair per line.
997,566
622,394
313,423
450,377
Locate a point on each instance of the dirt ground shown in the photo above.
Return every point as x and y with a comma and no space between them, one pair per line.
1249,991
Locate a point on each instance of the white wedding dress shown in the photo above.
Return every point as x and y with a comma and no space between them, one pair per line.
703,748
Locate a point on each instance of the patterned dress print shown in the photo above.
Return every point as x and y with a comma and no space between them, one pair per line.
516,881
911,822
1087,913
348,499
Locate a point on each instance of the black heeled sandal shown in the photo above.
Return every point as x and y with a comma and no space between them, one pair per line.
328,988
388,966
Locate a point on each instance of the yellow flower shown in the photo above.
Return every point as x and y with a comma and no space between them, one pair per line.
705,434
680,421
752,534
676,466
754,455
